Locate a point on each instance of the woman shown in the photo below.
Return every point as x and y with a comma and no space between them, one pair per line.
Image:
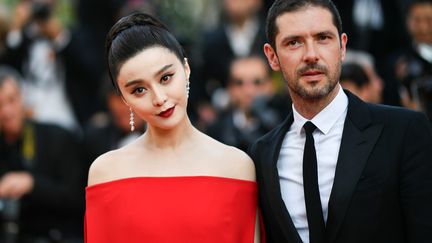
173,184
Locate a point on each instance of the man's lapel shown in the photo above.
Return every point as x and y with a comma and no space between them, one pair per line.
269,155
358,139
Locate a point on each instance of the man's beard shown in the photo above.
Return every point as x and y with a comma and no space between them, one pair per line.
316,92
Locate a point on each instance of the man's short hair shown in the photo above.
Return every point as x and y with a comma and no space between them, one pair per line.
280,7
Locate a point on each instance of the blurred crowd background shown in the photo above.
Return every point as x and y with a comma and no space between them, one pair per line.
58,111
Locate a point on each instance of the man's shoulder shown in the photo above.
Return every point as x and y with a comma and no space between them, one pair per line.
394,114
48,130
270,137
272,134
363,113
44,125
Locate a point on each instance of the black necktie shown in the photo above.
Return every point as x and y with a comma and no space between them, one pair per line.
311,190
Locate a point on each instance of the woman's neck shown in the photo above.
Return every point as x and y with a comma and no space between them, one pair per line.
175,138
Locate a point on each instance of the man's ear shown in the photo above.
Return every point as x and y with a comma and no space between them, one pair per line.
344,41
271,57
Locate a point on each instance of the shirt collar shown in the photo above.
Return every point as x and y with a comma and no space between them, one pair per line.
326,118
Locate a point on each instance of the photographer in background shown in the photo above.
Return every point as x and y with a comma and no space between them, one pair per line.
413,68
110,130
249,87
41,175
52,59
360,76
355,79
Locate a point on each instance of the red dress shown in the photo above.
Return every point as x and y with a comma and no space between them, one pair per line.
192,209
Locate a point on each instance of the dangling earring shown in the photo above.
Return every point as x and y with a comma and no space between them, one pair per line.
187,88
131,120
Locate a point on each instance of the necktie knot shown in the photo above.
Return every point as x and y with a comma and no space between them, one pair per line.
309,127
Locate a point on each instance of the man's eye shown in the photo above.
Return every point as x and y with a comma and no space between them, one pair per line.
293,43
324,37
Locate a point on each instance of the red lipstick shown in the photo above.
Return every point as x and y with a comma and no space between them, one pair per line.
167,113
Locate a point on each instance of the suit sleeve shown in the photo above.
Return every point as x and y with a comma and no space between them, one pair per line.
251,150
58,179
416,180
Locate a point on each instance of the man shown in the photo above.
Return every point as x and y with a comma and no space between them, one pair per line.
376,26
413,67
372,90
355,79
41,175
239,34
365,175
249,85
110,130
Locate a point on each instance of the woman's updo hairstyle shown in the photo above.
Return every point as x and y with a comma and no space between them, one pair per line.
133,34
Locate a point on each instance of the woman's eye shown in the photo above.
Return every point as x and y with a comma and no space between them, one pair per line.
138,90
166,78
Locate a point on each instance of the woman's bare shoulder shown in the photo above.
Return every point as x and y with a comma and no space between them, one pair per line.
242,165
233,161
106,167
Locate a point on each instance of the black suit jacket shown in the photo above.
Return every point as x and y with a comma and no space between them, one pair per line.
225,131
380,43
382,190
57,199
218,54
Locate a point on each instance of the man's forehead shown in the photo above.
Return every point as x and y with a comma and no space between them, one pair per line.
306,19
9,83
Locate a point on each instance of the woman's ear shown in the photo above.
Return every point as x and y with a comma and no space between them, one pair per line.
124,101
187,68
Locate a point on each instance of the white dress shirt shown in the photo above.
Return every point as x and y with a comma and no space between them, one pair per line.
242,39
45,90
327,136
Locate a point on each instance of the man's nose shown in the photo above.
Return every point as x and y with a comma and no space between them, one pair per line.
311,54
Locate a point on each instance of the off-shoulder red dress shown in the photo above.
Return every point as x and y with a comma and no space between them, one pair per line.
192,209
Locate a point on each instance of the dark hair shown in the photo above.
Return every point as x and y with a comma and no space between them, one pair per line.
413,3
355,73
280,7
7,72
131,35
250,57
